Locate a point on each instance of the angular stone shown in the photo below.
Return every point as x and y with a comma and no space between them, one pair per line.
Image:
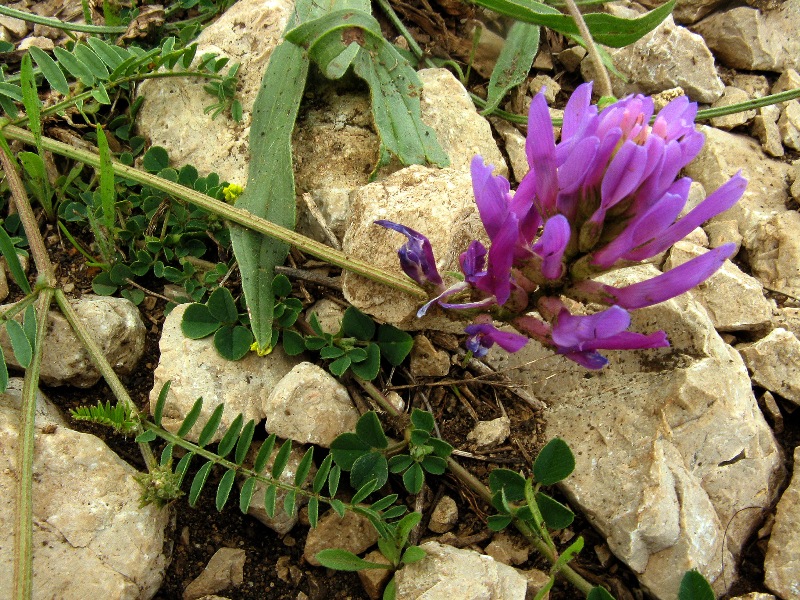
747,38
439,203
677,428
374,580
667,57
426,360
734,300
115,325
723,232
722,156
329,314
91,538
774,252
782,562
309,406
281,523
195,369
447,573
224,570
486,434
515,147
688,11
732,95
774,362
506,549
353,533
788,80
789,125
444,515
767,131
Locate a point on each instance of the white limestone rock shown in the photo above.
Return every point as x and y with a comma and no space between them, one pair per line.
447,573
789,125
774,362
329,314
734,300
766,130
487,434
745,37
438,203
677,430
667,57
196,370
91,538
444,515
114,323
687,11
428,361
774,252
782,562
309,406
225,569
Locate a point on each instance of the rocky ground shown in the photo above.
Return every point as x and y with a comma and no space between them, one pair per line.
684,455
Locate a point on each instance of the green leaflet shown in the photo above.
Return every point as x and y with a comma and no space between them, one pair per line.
270,185
606,29
513,64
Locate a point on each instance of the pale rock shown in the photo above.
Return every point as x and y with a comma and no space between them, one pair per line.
755,596
788,318
543,61
329,314
309,406
545,84
281,522
4,291
374,580
788,80
448,110
508,550
426,360
17,27
661,99
697,193
116,327
782,562
536,580
444,515
487,434
196,370
769,134
771,112
447,573
515,147
722,156
734,300
679,431
747,38
771,410
224,570
42,43
353,533
794,190
91,537
439,203
774,362
667,57
487,50
698,237
789,125
756,86
571,58
723,232
774,252
732,95
687,11
173,115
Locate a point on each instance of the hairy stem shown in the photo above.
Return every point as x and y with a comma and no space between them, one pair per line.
603,80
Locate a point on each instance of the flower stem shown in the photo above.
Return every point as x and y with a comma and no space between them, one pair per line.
57,24
603,81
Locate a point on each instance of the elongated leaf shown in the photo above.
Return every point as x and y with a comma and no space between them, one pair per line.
224,489
19,343
344,560
92,61
384,502
9,252
282,459
108,195
29,324
263,454
191,418
338,507
74,66
304,467
270,184
246,495
322,474
109,54
333,480
245,439
364,491
183,465
313,511
290,502
229,439
52,73
513,64
30,98
11,90
146,436
198,482
160,402
601,593
211,426
606,29
269,500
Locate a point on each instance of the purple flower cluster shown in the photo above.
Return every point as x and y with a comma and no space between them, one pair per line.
606,195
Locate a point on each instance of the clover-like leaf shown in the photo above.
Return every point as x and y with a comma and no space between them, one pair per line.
222,306
394,344
369,467
369,429
554,463
233,342
555,514
346,449
198,322
358,325
368,368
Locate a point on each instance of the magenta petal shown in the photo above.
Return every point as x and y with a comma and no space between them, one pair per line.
572,331
482,336
540,146
624,174
672,283
719,201
416,255
578,111
472,261
574,169
551,246
490,195
588,360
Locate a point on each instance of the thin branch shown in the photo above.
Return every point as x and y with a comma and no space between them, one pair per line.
601,74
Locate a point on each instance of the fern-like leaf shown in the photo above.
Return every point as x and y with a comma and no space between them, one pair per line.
246,495
224,488
119,416
245,439
198,482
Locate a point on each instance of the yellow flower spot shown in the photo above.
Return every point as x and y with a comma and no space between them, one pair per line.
231,192
254,347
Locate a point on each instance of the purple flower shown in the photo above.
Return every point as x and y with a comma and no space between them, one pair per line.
482,336
551,246
416,256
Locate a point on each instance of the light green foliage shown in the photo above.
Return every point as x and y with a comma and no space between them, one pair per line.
119,417
514,63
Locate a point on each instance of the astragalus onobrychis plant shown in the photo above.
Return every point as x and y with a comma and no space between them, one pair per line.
606,196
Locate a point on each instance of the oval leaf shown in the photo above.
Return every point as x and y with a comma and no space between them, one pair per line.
198,322
555,514
695,587
369,429
369,467
233,343
554,463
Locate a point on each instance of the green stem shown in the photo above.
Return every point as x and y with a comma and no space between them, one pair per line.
23,546
57,24
720,111
603,80
231,213
105,368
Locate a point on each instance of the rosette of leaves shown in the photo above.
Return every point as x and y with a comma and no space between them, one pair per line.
358,345
219,316
364,453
